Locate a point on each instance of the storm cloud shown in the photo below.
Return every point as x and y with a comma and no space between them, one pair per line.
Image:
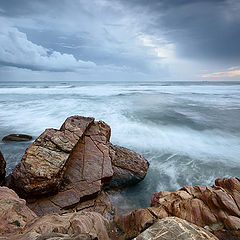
138,39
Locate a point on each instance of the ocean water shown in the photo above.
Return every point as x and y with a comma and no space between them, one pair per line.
189,131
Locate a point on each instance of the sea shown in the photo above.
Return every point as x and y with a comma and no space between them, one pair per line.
188,131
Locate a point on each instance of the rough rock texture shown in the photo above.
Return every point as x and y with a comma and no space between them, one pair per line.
175,228
128,166
87,170
2,168
42,166
217,207
70,225
14,213
17,137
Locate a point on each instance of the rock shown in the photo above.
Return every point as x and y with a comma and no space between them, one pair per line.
128,167
17,137
2,168
42,166
227,235
175,228
66,170
89,225
217,207
87,170
14,213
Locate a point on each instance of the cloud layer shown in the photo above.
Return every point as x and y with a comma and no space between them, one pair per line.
154,40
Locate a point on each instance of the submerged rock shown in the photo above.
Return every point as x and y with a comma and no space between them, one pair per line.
17,137
175,228
2,168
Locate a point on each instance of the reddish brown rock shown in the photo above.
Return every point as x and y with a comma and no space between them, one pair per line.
2,168
42,166
216,207
129,167
14,213
68,226
87,170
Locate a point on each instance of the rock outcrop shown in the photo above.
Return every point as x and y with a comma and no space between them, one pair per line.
217,207
175,228
67,169
129,167
2,168
17,137
14,213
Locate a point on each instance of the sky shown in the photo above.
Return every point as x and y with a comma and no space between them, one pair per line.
118,40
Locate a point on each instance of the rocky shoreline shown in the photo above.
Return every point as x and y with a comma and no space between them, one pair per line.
60,190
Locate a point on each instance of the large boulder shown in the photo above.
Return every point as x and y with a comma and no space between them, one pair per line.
14,213
129,167
2,168
42,166
80,225
175,228
217,207
87,170
66,170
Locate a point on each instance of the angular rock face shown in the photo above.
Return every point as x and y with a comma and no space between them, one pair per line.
175,228
14,213
217,207
2,168
128,166
87,225
42,167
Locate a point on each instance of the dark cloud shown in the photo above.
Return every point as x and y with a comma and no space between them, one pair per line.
200,29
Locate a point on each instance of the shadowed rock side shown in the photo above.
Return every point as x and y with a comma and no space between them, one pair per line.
2,168
129,167
14,213
172,228
42,166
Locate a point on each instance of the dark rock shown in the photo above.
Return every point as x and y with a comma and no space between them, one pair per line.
17,137
129,167
2,168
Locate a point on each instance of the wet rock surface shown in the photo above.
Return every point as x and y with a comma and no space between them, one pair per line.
16,137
